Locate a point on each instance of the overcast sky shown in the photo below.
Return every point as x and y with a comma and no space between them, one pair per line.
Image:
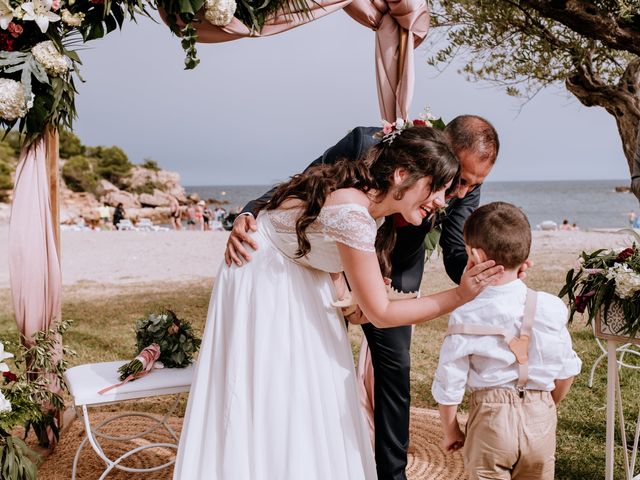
258,110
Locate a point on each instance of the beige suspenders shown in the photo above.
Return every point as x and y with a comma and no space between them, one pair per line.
518,345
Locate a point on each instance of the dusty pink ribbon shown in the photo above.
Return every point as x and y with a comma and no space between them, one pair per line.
148,357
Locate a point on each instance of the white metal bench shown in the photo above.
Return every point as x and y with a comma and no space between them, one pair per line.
85,381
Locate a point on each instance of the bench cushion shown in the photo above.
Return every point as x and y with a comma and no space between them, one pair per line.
85,381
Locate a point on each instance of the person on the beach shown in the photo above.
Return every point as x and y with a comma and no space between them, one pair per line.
475,143
631,216
207,216
511,348
103,213
274,392
565,226
199,215
118,215
174,213
191,216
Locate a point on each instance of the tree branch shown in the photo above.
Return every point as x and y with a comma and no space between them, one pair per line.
587,19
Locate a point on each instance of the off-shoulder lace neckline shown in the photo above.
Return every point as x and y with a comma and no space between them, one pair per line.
336,205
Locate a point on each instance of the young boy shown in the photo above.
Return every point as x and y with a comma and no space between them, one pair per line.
511,348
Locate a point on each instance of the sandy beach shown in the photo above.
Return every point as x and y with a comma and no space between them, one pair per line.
96,262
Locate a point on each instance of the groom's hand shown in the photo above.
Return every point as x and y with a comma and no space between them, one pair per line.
240,234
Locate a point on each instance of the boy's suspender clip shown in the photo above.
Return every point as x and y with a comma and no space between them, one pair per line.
518,345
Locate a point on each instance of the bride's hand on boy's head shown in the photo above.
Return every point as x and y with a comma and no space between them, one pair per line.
477,277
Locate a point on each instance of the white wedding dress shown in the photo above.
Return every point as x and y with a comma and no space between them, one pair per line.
274,395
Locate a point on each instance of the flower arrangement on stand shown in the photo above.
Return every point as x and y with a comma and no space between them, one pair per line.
23,391
606,284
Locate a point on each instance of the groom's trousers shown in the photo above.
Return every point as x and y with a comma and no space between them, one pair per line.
391,365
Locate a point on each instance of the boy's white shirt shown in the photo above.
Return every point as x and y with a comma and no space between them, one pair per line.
485,361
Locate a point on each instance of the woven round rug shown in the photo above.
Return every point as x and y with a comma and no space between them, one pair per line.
426,460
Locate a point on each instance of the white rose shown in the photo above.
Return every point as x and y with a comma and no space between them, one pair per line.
13,104
219,12
5,405
399,123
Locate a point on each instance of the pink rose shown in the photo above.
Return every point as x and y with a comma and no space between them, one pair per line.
15,30
55,4
387,128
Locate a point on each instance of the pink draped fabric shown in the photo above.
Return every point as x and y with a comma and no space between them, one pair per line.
387,18
34,267
208,33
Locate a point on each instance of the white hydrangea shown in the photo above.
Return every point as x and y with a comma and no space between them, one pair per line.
48,56
219,12
5,405
72,19
13,104
627,280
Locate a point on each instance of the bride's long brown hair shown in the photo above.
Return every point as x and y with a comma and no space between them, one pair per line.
420,151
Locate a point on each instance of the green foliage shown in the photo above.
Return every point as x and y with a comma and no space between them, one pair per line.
176,338
17,460
150,164
147,187
79,173
513,46
70,144
113,164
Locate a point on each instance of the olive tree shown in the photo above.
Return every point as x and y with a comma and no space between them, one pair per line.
592,46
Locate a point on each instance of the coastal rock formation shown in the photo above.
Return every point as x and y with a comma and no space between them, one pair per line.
128,200
157,199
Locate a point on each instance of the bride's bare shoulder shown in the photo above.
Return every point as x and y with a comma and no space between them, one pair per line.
347,195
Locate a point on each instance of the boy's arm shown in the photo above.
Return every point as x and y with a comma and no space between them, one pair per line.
453,437
561,390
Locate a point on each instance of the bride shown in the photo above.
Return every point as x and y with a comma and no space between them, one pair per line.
274,394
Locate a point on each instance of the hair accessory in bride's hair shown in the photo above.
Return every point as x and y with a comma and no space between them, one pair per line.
349,299
391,130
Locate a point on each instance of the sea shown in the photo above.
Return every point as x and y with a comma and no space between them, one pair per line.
590,204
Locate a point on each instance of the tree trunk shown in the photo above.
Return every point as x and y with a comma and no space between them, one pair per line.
621,100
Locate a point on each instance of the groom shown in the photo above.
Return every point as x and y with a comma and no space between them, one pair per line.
475,142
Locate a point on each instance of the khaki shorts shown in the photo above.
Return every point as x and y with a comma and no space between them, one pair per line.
510,435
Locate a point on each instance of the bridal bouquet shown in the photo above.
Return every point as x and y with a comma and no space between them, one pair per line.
163,338
605,277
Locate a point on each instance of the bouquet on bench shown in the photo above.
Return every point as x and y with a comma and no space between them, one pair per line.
162,340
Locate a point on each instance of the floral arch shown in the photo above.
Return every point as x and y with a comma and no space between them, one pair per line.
39,65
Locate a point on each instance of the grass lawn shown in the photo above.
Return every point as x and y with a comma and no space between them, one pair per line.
103,330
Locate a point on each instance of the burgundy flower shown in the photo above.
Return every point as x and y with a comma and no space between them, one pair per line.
97,2
15,30
11,377
624,254
583,300
6,42
419,122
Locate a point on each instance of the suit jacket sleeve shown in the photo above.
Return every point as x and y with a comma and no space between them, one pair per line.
452,240
351,146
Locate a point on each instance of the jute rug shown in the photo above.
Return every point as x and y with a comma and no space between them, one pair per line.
426,460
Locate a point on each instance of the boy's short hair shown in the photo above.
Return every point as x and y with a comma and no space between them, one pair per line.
502,231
